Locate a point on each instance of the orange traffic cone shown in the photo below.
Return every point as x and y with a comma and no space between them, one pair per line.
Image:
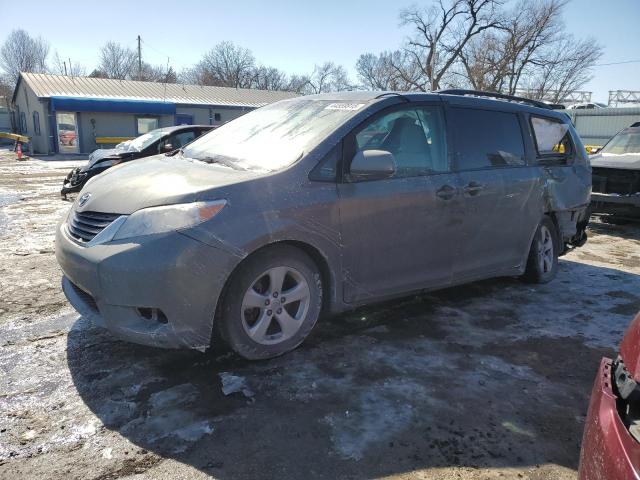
19,151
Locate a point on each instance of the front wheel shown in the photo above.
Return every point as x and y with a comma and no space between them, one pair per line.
272,303
542,263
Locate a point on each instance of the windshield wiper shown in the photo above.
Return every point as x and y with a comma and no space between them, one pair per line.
221,161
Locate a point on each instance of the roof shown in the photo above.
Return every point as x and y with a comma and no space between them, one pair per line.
185,127
46,86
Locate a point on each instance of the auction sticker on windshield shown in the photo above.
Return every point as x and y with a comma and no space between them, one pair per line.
344,106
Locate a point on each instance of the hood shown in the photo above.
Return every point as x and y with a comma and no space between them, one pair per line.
101,154
157,180
630,348
629,161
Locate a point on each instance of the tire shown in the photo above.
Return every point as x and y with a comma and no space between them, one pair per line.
261,316
542,263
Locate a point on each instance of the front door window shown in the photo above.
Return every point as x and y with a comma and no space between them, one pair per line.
67,132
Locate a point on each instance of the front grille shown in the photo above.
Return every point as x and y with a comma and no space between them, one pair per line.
616,180
83,226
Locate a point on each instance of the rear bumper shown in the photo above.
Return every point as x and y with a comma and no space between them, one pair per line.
608,450
113,283
628,205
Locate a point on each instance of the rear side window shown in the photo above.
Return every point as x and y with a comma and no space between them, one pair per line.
552,137
487,139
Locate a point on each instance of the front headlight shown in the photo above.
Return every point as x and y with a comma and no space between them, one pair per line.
167,218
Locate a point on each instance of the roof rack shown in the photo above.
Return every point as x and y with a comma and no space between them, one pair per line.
395,94
501,96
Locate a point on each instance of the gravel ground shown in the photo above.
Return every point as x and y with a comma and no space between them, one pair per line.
489,380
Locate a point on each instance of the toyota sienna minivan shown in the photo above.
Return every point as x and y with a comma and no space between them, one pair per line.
319,204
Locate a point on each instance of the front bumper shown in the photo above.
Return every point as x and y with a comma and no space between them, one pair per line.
628,205
608,450
77,179
172,273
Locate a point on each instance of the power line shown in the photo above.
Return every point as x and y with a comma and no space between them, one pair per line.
164,54
615,63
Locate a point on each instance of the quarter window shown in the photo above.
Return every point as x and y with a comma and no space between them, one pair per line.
552,137
487,139
415,137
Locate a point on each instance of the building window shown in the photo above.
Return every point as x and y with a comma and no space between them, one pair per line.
23,123
216,117
146,124
36,123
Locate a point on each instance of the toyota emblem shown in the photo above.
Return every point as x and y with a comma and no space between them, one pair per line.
84,199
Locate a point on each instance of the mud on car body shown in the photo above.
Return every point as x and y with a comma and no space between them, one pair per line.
320,204
151,143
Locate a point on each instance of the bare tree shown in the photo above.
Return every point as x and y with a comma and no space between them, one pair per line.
381,73
567,68
328,77
531,52
23,53
297,83
440,33
157,73
117,61
225,65
61,67
269,78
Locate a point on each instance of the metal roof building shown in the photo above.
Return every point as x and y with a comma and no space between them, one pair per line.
69,114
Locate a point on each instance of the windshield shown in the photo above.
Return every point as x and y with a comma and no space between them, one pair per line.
143,141
624,142
274,136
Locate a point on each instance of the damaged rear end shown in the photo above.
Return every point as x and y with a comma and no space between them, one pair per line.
567,177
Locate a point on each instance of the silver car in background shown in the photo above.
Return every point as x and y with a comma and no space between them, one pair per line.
320,204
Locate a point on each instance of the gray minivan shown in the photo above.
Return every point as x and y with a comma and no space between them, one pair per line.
319,204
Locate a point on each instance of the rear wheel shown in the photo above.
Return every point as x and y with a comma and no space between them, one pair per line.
271,304
542,263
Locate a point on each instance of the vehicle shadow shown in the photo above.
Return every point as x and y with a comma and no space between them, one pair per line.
488,375
624,229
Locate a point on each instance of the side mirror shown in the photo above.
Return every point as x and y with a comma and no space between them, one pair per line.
372,165
167,147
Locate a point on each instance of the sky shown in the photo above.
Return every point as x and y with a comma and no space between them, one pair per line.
290,35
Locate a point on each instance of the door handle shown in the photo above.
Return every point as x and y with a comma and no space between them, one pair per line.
473,188
446,192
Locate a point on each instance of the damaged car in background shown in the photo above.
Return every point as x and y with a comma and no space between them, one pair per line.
319,204
151,143
616,176
610,448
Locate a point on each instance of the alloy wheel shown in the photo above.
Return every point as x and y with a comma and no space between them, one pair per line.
275,305
545,250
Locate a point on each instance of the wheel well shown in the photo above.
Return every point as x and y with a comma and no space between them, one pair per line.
313,253
323,267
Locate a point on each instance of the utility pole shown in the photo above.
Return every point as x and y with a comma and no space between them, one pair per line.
139,60
65,68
